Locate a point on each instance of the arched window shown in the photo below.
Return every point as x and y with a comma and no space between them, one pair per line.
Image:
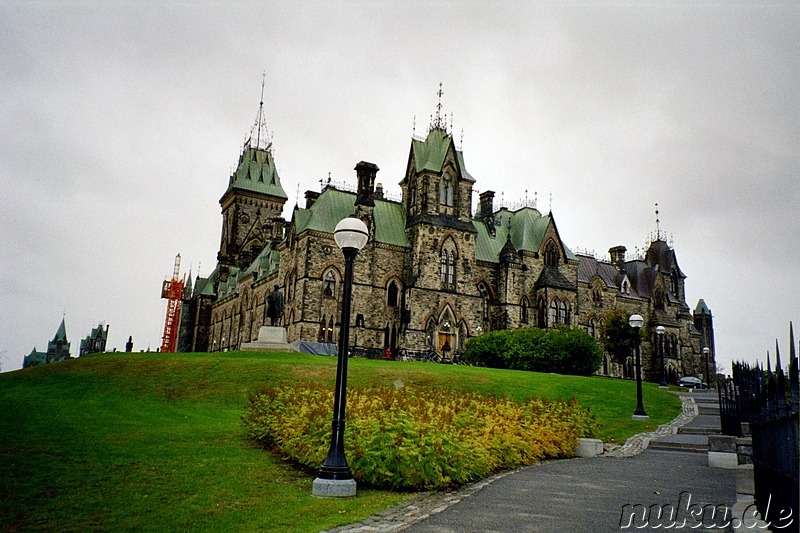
391,294
673,283
447,268
551,255
322,329
485,301
553,312
524,311
658,298
329,285
590,329
626,287
330,330
412,193
446,190
562,313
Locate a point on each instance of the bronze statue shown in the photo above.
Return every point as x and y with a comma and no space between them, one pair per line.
274,305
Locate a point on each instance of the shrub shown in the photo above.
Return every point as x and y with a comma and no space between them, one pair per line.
561,350
412,439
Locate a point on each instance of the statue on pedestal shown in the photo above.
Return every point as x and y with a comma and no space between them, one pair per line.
274,305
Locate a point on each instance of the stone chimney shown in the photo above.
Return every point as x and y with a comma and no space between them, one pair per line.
379,191
311,197
486,210
486,205
617,254
366,183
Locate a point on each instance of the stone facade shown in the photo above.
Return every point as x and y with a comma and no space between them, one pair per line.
433,274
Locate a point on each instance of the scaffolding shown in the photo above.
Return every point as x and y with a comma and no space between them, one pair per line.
172,291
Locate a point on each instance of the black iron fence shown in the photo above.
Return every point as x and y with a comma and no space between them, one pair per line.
766,403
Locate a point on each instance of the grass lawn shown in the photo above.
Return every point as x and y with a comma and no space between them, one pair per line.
155,442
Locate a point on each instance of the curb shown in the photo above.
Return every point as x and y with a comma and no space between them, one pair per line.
638,443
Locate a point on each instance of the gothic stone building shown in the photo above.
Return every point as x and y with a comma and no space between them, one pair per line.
433,273
57,349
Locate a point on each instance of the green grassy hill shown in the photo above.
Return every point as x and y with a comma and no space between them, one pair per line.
155,442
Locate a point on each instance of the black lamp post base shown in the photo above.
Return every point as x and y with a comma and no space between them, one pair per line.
334,488
640,417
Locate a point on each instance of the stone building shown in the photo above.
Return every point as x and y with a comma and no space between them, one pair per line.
57,349
434,272
95,341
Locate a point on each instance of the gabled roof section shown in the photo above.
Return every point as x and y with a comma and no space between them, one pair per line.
589,267
267,262
526,226
430,154
552,277
660,255
256,172
333,205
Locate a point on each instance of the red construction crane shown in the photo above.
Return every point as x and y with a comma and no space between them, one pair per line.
172,291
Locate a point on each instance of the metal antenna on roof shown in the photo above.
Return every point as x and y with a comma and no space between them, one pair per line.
535,199
414,126
461,146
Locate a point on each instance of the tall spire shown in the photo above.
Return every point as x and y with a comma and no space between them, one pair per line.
259,135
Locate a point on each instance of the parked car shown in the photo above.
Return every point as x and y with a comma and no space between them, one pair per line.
691,382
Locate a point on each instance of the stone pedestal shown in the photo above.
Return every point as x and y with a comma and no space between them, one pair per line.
270,338
589,447
334,488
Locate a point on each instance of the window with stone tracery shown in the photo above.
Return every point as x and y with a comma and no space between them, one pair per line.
447,268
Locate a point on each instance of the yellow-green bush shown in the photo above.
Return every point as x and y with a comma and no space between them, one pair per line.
407,438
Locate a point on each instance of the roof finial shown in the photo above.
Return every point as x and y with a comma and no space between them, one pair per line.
414,126
658,225
461,145
438,122
551,202
535,199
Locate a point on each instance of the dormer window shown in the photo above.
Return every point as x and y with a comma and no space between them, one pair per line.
626,287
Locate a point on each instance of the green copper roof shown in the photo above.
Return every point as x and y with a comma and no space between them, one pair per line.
527,227
702,308
430,153
61,334
333,205
256,172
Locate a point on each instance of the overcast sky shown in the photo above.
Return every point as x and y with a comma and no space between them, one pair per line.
121,123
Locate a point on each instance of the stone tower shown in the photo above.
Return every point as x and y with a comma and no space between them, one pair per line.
253,202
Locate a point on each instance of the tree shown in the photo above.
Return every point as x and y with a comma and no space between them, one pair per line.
619,338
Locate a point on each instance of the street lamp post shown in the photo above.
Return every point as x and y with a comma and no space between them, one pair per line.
334,478
636,322
706,351
661,330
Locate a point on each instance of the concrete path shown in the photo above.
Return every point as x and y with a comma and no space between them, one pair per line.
591,495
620,492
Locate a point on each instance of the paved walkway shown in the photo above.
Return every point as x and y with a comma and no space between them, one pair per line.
580,495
